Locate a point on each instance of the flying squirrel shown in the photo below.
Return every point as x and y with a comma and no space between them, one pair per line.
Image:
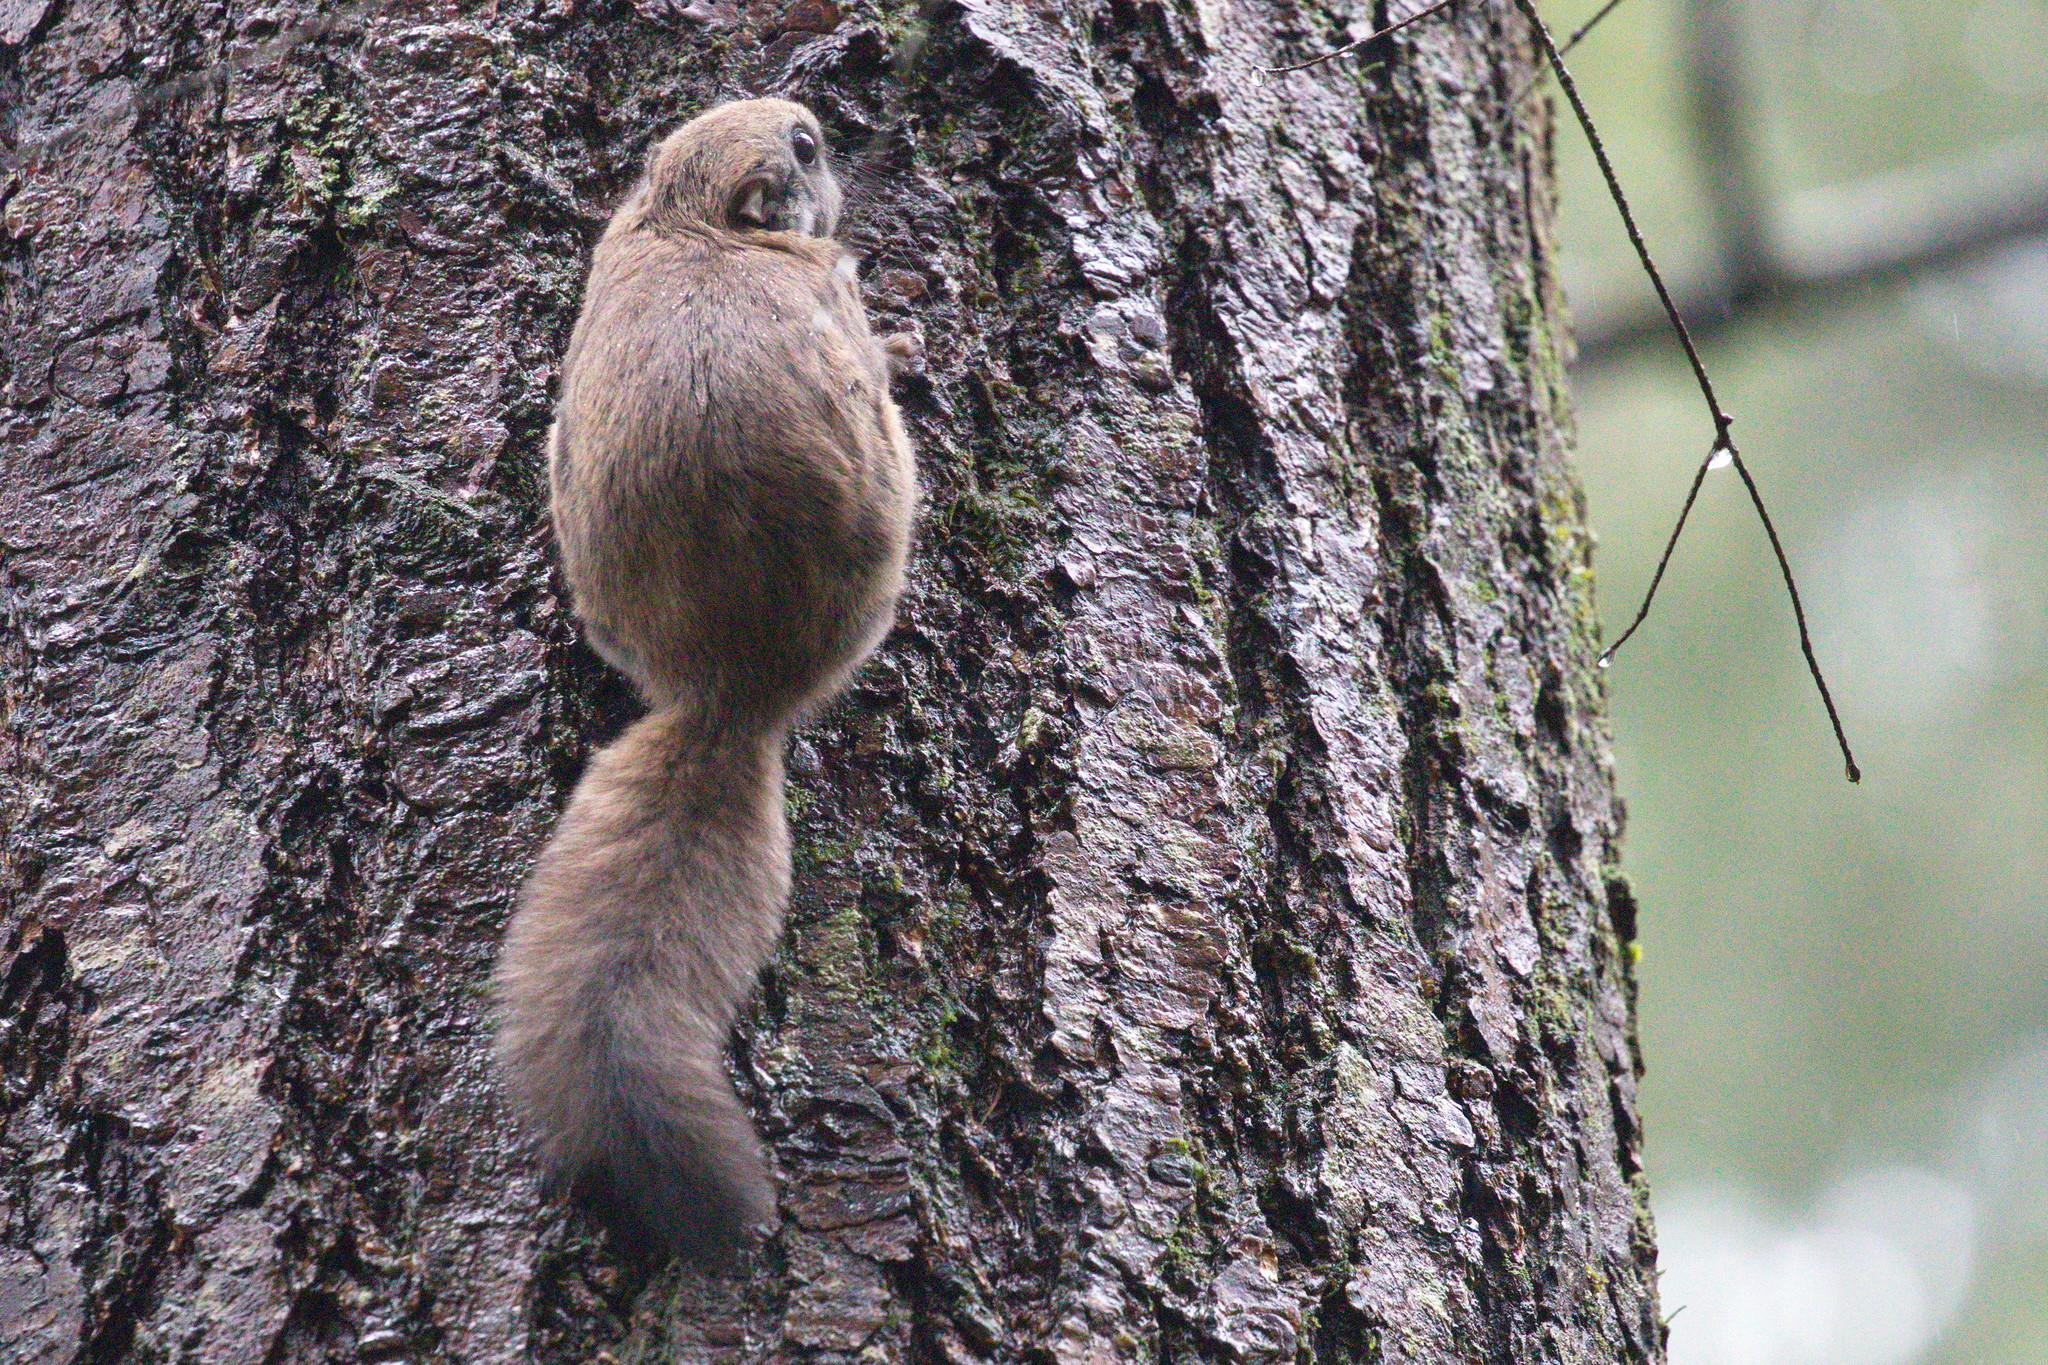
732,493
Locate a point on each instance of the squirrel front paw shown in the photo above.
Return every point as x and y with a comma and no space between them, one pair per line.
906,353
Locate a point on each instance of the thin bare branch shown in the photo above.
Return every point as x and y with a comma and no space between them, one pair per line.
1723,440
1579,33
1352,47
1838,240
1699,477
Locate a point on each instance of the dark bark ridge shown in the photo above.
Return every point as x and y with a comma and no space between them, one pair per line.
1207,944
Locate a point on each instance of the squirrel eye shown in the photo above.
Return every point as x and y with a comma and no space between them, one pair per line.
804,144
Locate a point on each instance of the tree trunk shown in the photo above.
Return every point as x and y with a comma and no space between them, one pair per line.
1207,942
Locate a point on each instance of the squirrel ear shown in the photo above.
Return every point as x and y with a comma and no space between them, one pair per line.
660,186
750,205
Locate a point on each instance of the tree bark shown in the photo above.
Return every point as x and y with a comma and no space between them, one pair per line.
1207,944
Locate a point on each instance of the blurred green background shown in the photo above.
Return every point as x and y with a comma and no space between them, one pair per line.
1844,989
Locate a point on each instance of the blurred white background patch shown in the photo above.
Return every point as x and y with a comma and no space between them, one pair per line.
1906,608
1994,311
1880,1264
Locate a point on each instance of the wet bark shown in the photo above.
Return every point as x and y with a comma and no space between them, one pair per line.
1207,942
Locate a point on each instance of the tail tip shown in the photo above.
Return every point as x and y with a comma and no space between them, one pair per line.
713,1227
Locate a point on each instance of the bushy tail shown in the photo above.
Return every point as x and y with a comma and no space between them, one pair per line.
639,933
676,1168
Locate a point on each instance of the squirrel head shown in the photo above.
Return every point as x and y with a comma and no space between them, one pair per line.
748,166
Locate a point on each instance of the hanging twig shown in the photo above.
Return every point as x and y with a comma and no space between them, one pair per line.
1579,33
1723,441
1350,48
1699,476
1723,449
1724,444
1578,36
1839,240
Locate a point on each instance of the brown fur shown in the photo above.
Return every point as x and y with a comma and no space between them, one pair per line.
732,494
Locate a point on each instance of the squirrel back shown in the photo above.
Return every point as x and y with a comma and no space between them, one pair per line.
732,494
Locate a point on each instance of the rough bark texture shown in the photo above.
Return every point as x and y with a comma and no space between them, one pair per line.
1207,943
